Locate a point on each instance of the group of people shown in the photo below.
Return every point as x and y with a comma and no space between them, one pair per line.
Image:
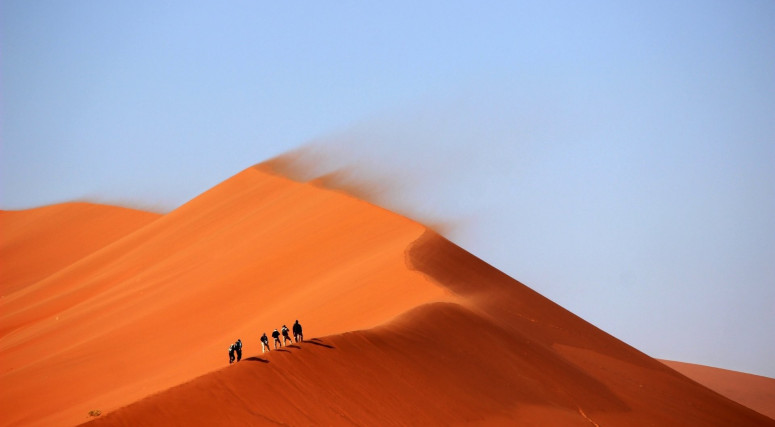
236,348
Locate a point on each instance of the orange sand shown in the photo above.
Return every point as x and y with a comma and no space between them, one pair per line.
413,329
36,243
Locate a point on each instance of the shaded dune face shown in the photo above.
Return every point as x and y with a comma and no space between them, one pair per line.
755,391
501,354
596,373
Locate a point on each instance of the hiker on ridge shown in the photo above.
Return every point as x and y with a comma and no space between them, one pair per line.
285,335
297,335
232,348
238,348
264,343
276,336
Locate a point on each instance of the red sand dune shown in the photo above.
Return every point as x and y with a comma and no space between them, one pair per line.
36,243
414,330
753,391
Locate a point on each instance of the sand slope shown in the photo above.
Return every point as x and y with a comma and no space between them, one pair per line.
501,354
36,243
754,391
160,305
414,329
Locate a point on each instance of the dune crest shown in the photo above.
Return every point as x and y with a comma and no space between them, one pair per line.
412,329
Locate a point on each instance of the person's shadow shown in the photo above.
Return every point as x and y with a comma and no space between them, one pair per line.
256,359
317,341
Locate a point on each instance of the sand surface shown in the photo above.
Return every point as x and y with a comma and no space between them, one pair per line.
402,326
36,243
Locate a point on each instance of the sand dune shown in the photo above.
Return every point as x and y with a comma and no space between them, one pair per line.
36,243
753,391
413,328
160,305
501,354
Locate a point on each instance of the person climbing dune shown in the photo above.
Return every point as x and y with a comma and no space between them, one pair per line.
238,348
297,335
264,343
232,349
276,336
285,335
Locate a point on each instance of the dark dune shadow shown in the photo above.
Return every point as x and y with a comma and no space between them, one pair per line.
317,341
281,349
256,359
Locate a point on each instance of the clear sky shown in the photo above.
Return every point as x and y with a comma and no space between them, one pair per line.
618,157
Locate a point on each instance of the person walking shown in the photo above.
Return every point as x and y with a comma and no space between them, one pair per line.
238,348
285,335
276,336
264,343
297,335
232,349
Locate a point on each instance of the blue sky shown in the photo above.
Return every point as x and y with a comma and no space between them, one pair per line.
618,158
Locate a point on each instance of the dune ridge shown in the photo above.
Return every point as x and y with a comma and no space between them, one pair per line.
412,329
500,354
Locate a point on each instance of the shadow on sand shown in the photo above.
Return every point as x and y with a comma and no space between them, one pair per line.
256,359
317,341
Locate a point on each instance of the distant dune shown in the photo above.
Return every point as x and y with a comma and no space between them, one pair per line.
401,325
36,243
754,391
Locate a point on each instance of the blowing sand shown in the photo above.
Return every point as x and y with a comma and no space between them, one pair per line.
131,314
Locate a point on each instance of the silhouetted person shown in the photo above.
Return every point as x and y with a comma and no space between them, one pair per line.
285,335
297,335
238,348
232,349
264,343
276,336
